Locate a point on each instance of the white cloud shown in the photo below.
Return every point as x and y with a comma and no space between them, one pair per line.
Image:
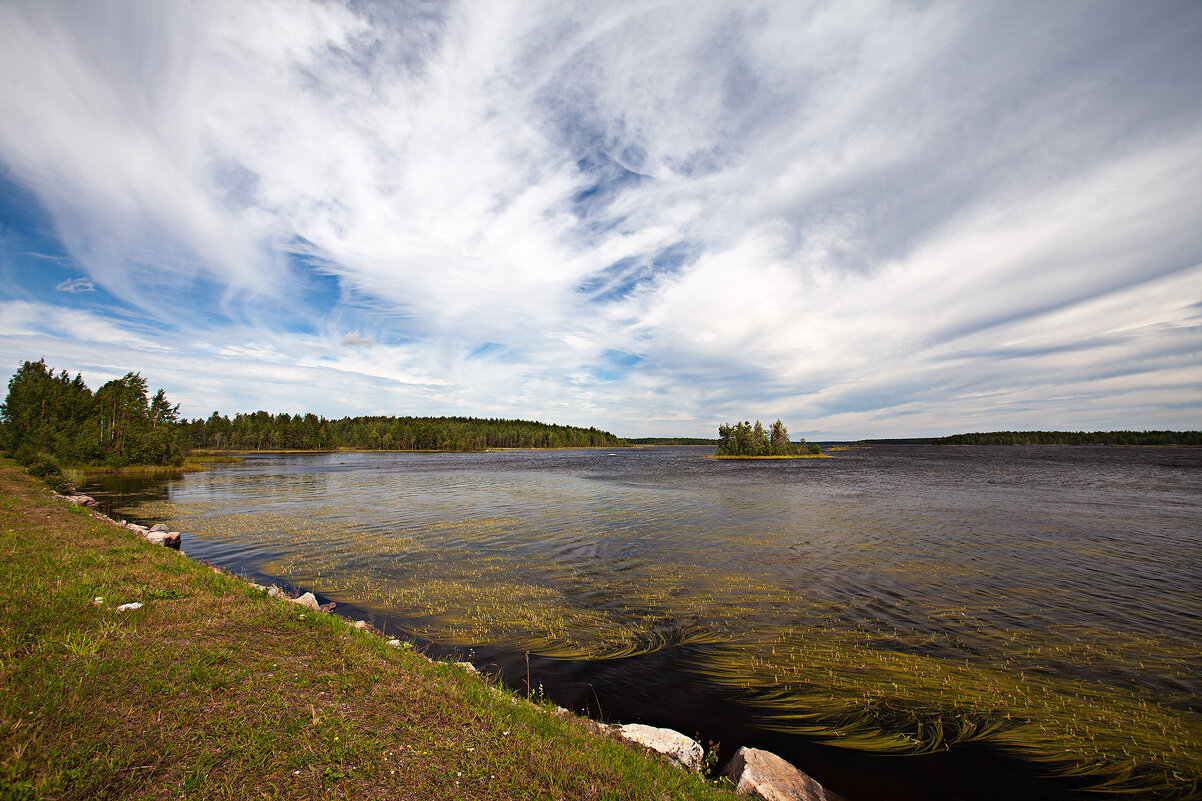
81,284
891,212
354,339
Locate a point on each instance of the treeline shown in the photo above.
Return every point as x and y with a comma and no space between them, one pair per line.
49,419
745,439
671,441
263,431
1186,438
55,419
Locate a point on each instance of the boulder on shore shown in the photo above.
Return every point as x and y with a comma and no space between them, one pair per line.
683,751
168,539
762,774
159,527
309,601
79,499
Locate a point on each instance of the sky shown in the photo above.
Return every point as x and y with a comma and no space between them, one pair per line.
867,219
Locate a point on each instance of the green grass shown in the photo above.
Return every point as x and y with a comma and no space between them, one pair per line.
214,690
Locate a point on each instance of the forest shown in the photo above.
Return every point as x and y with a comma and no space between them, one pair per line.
745,439
1145,438
263,431
55,419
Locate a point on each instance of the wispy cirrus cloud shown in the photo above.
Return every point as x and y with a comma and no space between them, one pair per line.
870,219
82,284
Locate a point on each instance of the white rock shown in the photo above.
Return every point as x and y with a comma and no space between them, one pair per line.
395,643
168,539
361,624
130,606
309,601
274,591
763,774
682,750
468,666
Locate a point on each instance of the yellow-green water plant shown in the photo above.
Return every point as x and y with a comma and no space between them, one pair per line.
1072,697
849,693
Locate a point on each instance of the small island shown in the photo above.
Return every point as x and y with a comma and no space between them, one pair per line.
747,441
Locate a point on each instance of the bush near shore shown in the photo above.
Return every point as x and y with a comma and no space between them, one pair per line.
212,689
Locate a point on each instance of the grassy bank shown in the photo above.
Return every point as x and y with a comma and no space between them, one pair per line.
214,690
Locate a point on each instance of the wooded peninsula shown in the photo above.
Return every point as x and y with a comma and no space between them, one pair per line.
54,418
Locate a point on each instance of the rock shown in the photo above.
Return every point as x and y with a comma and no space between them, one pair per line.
362,625
80,499
274,591
129,607
682,750
327,607
395,643
468,666
763,774
308,600
168,539
159,527
134,527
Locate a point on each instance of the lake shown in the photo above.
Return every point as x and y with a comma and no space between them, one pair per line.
901,621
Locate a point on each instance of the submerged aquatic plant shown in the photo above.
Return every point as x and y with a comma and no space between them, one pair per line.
889,676
825,684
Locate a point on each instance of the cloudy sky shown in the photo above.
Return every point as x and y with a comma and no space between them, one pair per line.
865,218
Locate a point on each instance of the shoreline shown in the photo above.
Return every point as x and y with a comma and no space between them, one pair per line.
173,632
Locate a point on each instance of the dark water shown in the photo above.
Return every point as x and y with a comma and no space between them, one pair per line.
657,586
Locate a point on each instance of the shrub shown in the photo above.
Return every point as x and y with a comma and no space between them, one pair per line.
43,465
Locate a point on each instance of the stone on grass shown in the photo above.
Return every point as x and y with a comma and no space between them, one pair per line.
129,607
684,751
763,774
362,625
159,527
395,643
134,527
274,591
308,600
327,607
168,539
468,666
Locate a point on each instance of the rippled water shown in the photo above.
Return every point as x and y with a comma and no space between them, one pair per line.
729,595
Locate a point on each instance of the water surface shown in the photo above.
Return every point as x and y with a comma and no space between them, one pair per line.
902,600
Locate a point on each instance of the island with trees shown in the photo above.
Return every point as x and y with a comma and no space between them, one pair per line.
747,441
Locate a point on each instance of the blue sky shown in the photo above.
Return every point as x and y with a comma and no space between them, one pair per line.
866,218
